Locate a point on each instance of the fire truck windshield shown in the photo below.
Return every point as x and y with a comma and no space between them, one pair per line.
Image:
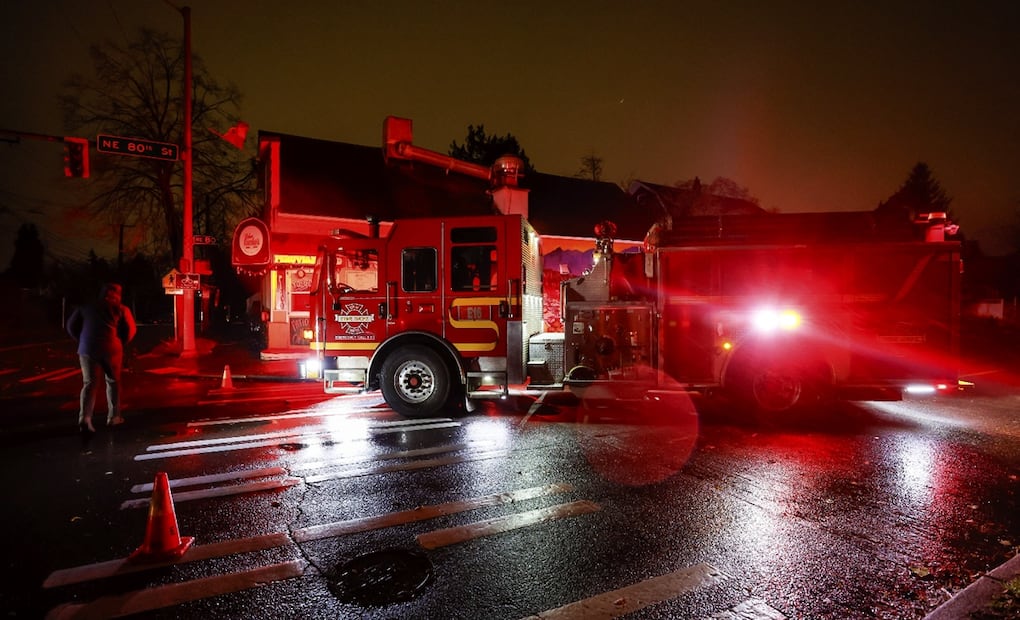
355,270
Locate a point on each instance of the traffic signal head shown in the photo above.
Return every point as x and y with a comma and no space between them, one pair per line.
76,157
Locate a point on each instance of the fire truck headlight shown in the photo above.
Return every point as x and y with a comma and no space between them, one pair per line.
310,368
769,320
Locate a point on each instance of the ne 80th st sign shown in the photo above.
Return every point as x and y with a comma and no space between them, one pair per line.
136,147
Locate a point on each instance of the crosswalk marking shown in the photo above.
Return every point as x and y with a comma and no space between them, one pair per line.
499,525
246,445
422,513
237,489
214,478
413,465
637,596
262,440
200,443
405,454
160,597
92,572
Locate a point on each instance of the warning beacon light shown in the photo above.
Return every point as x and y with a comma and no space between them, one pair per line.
770,320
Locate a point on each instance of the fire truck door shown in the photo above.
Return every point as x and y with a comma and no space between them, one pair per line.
359,292
477,304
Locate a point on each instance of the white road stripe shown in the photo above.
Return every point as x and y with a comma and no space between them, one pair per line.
261,440
411,429
422,513
161,597
405,454
499,525
637,596
238,446
198,443
237,489
382,427
213,478
412,466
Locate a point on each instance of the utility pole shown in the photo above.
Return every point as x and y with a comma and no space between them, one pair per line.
187,265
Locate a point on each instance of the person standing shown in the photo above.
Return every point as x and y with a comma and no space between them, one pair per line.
102,329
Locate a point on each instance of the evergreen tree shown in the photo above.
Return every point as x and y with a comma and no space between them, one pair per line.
920,193
483,149
27,262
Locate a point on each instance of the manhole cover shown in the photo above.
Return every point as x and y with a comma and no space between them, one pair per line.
381,577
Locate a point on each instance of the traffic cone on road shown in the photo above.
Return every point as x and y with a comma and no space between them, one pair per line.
228,382
163,540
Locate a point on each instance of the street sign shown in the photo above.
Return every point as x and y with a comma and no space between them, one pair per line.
187,281
136,147
170,279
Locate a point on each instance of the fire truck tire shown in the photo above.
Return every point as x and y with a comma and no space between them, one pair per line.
415,382
776,388
764,385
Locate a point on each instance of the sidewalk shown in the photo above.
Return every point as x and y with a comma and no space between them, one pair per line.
978,596
210,360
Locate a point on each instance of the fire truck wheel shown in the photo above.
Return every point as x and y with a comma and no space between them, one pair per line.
415,382
776,388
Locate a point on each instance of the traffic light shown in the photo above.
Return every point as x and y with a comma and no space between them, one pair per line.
76,157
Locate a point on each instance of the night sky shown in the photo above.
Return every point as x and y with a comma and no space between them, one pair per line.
811,106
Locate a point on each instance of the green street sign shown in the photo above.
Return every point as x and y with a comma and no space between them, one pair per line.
136,147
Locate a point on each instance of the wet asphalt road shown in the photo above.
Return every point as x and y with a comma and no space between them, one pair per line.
873,510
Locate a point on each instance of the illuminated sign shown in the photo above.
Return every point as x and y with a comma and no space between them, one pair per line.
250,248
293,259
136,147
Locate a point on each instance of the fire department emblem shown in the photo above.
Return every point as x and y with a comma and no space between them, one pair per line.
354,319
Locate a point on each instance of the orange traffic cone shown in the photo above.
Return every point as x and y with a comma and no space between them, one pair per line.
162,538
228,382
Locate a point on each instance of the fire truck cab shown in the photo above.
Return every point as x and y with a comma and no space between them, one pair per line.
437,310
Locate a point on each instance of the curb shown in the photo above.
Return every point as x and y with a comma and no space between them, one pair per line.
977,595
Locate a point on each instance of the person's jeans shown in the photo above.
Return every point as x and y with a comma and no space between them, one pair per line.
92,368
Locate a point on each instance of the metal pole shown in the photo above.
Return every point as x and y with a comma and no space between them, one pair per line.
188,256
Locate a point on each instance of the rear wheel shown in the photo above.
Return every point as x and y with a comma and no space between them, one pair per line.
415,382
776,388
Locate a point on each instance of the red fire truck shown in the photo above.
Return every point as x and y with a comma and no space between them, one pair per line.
776,309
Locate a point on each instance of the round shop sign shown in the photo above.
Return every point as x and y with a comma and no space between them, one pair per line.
251,239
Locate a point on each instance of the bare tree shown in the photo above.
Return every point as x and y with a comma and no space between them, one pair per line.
136,92
591,167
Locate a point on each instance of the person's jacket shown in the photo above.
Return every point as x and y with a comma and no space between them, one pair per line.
102,328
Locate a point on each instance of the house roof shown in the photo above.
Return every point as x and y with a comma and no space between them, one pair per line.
572,207
337,179
680,202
